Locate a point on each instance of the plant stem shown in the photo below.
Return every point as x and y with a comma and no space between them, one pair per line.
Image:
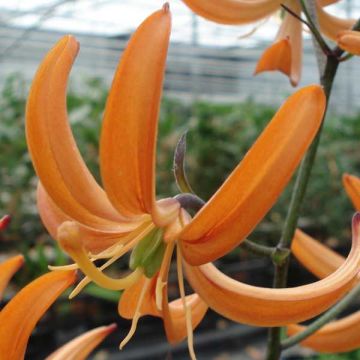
258,249
297,197
322,320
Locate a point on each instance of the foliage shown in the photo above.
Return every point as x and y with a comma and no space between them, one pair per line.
219,136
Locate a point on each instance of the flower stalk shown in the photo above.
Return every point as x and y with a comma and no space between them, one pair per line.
281,269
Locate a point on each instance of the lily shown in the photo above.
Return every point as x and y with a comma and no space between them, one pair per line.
92,223
81,347
285,54
20,315
349,41
340,335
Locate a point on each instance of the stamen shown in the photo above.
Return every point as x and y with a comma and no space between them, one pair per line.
89,269
108,253
137,315
69,238
63,267
86,280
159,293
187,310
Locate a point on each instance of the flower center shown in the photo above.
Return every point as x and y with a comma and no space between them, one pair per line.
148,254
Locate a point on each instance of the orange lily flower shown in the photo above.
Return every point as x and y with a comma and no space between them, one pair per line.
285,55
349,41
92,224
80,347
339,335
19,317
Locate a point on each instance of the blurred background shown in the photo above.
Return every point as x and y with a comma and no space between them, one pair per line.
210,91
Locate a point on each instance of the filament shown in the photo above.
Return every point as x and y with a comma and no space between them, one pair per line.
187,310
86,280
136,316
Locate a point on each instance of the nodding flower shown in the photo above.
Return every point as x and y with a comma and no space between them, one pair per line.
21,314
93,223
340,335
285,54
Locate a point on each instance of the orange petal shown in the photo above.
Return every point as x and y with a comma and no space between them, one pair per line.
316,257
56,158
233,11
129,300
173,313
174,316
94,240
128,137
4,222
20,315
326,2
349,41
7,269
274,307
352,187
285,54
255,184
276,57
331,25
338,336
80,347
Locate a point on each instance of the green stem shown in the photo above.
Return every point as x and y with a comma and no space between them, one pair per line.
322,320
258,249
314,30
298,193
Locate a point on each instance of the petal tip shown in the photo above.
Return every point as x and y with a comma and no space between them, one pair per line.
111,328
356,223
166,7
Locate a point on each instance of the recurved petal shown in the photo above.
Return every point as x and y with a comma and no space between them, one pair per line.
20,315
255,184
285,54
338,336
316,257
352,187
274,307
327,2
233,11
128,137
175,319
131,295
331,25
276,57
173,313
54,153
94,240
80,347
349,41
7,269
